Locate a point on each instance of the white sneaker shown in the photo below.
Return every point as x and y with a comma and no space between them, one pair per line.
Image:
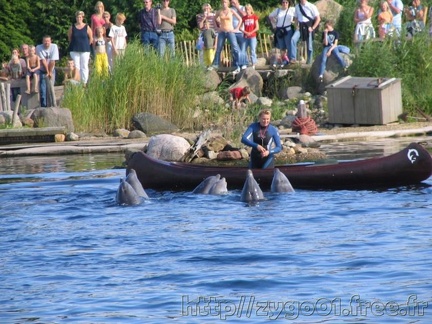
236,70
243,67
253,67
210,68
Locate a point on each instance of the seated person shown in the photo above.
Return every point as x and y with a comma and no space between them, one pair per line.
330,39
72,74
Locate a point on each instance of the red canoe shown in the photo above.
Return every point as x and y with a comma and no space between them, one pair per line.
411,165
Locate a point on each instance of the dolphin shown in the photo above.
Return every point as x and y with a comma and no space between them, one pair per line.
126,195
205,186
280,182
219,187
132,179
251,190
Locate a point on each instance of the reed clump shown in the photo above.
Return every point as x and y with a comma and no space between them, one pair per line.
141,81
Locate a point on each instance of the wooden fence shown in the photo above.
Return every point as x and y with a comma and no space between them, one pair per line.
191,55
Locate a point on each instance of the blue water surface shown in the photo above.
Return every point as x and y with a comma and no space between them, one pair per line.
68,253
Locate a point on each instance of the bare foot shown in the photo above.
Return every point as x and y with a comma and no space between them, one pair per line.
27,91
36,91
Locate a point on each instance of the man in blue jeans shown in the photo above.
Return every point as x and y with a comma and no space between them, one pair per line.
148,20
308,19
48,54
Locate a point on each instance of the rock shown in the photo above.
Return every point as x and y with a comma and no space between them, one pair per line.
287,121
210,99
264,101
217,143
121,132
167,147
211,81
59,138
152,124
53,117
6,117
72,137
136,134
308,141
250,77
229,155
329,9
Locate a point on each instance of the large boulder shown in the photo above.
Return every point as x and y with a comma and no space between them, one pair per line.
211,81
53,117
333,69
152,124
329,9
167,147
250,77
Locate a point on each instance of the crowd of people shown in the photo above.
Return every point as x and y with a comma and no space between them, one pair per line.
104,41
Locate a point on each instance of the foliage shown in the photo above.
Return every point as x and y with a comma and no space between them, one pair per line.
141,82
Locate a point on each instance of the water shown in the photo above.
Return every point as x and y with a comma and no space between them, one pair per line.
68,253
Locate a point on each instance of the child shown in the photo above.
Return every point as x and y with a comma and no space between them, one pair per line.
251,26
238,95
72,74
210,40
330,39
118,35
33,66
101,57
385,18
4,73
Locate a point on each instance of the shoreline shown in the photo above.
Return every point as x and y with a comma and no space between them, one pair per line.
99,145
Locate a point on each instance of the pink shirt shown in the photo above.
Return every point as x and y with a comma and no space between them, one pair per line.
96,22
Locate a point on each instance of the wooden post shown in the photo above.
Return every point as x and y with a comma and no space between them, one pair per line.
3,97
16,109
8,97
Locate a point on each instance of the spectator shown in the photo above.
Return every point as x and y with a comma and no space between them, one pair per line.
72,74
48,54
97,19
396,7
207,16
307,18
283,19
33,66
118,35
24,50
15,91
414,16
330,39
167,20
148,20
240,10
364,29
101,58
250,29
80,38
226,31
108,25
209,37
385,19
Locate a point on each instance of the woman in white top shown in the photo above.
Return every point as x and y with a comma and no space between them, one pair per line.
362,17
283,18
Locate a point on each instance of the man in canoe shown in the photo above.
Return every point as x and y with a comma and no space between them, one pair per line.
264,140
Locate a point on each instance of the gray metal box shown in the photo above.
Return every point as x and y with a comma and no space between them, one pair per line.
364,101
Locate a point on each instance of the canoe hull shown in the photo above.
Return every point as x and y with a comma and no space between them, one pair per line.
411,165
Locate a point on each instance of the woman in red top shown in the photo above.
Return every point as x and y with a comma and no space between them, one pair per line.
250,28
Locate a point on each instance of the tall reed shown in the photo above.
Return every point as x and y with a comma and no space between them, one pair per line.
141,81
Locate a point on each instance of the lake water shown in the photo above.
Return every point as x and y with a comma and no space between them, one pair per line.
68,253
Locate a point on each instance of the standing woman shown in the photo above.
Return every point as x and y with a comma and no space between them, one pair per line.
362,17
224,17
80,39
97,19
167,20
264,140
283,19
250,28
